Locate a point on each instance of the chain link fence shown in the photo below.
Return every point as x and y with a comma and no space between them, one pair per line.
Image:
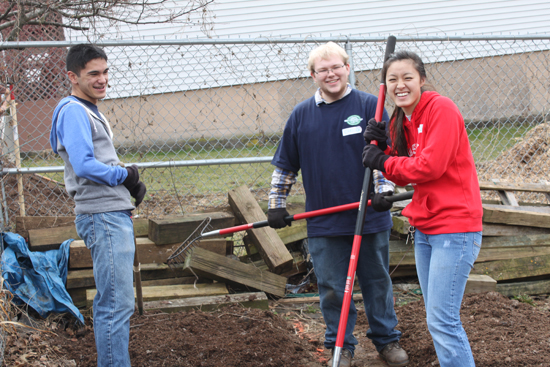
201,117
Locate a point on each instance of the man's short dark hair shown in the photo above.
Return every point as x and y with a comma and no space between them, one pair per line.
80,55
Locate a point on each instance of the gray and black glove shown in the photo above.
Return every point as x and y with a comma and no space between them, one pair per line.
138,192
379,203
136,188
376,131
276,218
133,177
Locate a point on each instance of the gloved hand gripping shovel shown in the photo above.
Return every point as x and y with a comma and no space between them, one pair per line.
179,255
390,47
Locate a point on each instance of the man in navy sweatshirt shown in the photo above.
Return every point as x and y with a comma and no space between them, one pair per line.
102,189
324,139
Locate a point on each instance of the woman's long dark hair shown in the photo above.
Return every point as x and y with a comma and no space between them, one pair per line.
397,134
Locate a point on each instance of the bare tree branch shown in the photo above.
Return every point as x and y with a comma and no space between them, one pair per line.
84,14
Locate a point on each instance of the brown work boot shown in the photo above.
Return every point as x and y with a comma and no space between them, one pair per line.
394,355
345,359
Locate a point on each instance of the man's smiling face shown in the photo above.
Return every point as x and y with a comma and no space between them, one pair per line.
331,75
91,84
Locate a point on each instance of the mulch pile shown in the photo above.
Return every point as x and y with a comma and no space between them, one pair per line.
527,161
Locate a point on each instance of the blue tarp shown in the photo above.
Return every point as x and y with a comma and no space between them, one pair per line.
37,278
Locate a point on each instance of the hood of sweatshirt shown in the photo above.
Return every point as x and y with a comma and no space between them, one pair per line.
53,132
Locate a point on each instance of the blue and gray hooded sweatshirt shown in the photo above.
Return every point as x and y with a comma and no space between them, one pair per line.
81,135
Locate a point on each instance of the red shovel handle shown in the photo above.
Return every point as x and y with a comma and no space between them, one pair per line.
350,279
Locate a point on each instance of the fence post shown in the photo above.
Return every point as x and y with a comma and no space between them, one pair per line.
13,114
349,51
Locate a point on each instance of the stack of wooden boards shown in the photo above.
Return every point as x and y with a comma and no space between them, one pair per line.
210,275
516,248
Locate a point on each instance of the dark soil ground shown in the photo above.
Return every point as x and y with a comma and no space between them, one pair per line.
502,332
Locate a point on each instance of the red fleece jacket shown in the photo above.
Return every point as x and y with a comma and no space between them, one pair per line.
441,168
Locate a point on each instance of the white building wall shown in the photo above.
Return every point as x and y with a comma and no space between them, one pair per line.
192,68
290,18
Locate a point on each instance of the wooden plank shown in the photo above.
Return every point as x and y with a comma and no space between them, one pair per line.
250,248
151,274
23,224
49,238
478,283
401,253
401,224
299,265
475,284
492,249
141,227
172,291
312,299
521,288
492,230
520,217
296,232
271,247
148,252
488,254
249,300
178,229
45,239
223,269
174,281
506,197
531,240
78,295
523,267
505,186
402,271
523,208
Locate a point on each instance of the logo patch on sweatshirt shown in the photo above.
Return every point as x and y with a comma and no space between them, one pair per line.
353,120
420,128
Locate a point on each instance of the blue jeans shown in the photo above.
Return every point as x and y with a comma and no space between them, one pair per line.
110,238
330,257
443,263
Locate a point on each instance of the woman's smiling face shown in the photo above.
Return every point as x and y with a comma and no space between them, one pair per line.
404,83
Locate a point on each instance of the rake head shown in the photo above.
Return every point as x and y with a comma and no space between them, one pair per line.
180,254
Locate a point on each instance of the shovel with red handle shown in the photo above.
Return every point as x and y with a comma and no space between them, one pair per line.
350,279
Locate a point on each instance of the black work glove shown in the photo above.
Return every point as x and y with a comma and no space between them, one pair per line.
374,158
276,218
379,203
376,131
138,192
133,177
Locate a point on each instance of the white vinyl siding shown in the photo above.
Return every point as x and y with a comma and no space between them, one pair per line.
269,18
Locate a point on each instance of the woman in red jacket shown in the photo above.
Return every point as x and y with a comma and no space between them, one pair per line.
430,150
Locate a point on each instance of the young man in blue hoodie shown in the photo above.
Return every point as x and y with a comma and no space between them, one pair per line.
102,189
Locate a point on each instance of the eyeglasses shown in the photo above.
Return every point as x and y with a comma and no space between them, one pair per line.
324,72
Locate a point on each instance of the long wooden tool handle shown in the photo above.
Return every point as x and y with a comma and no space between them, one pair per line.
137,279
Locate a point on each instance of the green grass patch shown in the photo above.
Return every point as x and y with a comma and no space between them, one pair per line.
488,143
189,180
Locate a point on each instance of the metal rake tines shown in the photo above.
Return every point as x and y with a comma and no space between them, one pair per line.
180,254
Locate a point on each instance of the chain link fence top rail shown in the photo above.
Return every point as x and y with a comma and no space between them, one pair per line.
200,117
